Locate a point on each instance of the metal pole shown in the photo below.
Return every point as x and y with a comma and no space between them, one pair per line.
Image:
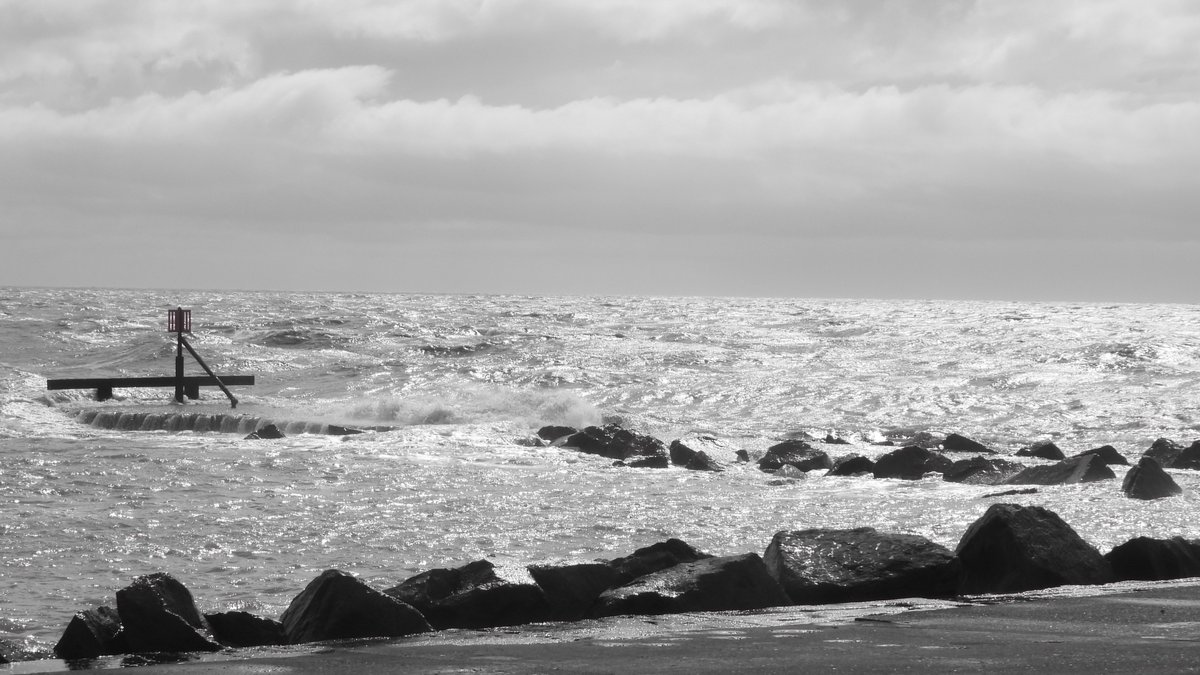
179,369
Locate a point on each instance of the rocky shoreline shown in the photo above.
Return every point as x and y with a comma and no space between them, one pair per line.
1011,548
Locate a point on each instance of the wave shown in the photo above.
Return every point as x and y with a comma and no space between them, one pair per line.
206,423
479,404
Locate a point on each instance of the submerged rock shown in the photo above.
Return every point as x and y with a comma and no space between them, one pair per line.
1146,559
714,584
1147,480
981,471
852,465
552,432
158,614
1108,454
615,442
794,452
338,606
910,463
1043,450
268,432
1164,451
824,566
1014,548
1084,469
91,633
1189,457
684,454
959,443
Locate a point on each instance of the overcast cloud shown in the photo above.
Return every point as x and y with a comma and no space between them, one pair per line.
1007,149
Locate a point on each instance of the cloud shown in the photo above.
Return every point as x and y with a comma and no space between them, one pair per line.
540,121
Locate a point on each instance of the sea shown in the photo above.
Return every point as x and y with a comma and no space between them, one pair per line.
450,390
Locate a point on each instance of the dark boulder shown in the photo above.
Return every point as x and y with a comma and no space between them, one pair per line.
852,465
835,440
1189,458
476,595
1147,480
795,453
651,559
243,629
1043,450
158,614
614,442
90,633
1085,469
268,432
1164,451
981,471
683,454
1014,548
910,463
959,443
337,606
714,584
554,432
824,566
1107,453
572,590
1146,559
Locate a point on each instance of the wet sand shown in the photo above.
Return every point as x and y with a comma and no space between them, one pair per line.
1152,630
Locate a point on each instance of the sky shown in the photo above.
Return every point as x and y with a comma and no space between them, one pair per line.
942,149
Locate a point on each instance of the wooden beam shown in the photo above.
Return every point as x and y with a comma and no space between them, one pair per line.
122,382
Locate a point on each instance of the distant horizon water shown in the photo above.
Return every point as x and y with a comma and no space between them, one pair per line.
463,381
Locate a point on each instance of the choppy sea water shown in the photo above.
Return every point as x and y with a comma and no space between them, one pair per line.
463,382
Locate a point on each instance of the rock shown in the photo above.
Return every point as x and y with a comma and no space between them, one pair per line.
268,432
789,473
553,432
1189,458
614,442
910,463
1107,453
572,590
158,614
1043,450
1164,451
702,462
1085,469
822,566
957,443
1014,548
243,629
835,440
654,462
476,595
682,454
981,471
796,453
906,437
852,465
1147,480
1009,493
337,606
714,584
89,634
651,559
1146,559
